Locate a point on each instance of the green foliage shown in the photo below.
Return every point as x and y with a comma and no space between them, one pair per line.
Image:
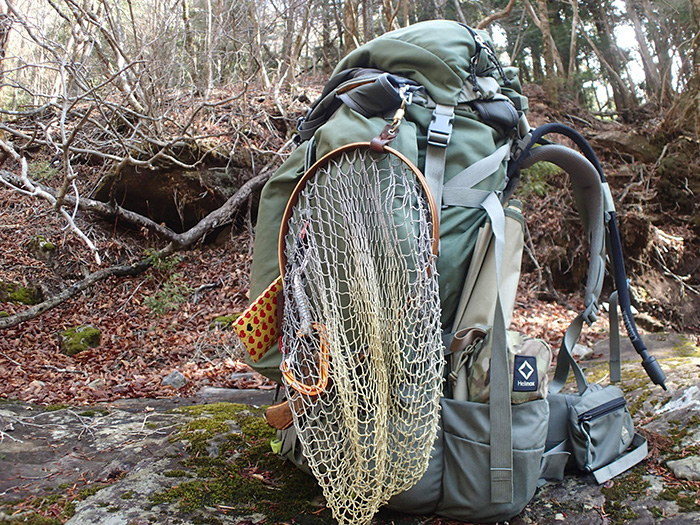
164,264
42,170
169,296
173,290
224,321
535,180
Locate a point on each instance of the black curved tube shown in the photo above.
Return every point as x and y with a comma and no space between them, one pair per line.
649,362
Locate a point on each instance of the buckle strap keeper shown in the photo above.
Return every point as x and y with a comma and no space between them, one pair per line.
440,128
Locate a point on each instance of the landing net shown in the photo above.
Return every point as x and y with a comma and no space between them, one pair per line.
361,343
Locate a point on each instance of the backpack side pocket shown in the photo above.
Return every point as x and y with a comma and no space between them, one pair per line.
600,428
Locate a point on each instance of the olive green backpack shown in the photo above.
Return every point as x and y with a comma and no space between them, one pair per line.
505,426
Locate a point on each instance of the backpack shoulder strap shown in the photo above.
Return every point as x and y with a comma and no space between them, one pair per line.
583,175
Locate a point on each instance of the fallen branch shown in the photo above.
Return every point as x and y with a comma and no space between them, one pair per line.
219,217
36,310
3,435
65,370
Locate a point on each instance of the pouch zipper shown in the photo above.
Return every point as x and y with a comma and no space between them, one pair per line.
601,410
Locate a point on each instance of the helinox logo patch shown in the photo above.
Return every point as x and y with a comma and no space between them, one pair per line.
525,374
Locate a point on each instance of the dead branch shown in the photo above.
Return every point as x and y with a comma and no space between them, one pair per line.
218,217
71,291
31,189
66,371
496,16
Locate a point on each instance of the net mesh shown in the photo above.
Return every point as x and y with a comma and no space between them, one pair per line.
361,343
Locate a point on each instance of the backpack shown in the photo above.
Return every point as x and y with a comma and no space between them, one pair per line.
504,426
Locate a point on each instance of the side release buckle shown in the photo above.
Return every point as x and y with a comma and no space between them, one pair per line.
440,129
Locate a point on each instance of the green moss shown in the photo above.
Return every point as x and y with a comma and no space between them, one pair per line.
631,486
54,408
68,510
79,339
16,293
619,513
94,412
90,491
244,474
4,314
656,512
686,349
224,321
128,495
638,401
41,244
685,497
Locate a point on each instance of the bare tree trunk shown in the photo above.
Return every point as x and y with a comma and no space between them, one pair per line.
610,55
552,59
574,39
368,19
5,26
493,17
350,26
258,44
684,115
390,14
209,59
621,94
658,32
297,40
651,74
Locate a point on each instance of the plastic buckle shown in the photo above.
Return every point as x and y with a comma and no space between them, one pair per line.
590,314
440,129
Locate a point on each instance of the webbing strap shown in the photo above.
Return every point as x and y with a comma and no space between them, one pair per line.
565,361
501,439
494,209
439,134
500,415
460,191
637,452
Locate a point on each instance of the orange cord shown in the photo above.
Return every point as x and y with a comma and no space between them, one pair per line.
322,383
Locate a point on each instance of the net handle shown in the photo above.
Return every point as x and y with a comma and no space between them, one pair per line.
294,197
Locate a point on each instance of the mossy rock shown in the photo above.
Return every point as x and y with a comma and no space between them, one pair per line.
230,463
79,339
4,314
41,248
16,293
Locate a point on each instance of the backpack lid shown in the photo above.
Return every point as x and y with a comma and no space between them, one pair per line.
441,55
